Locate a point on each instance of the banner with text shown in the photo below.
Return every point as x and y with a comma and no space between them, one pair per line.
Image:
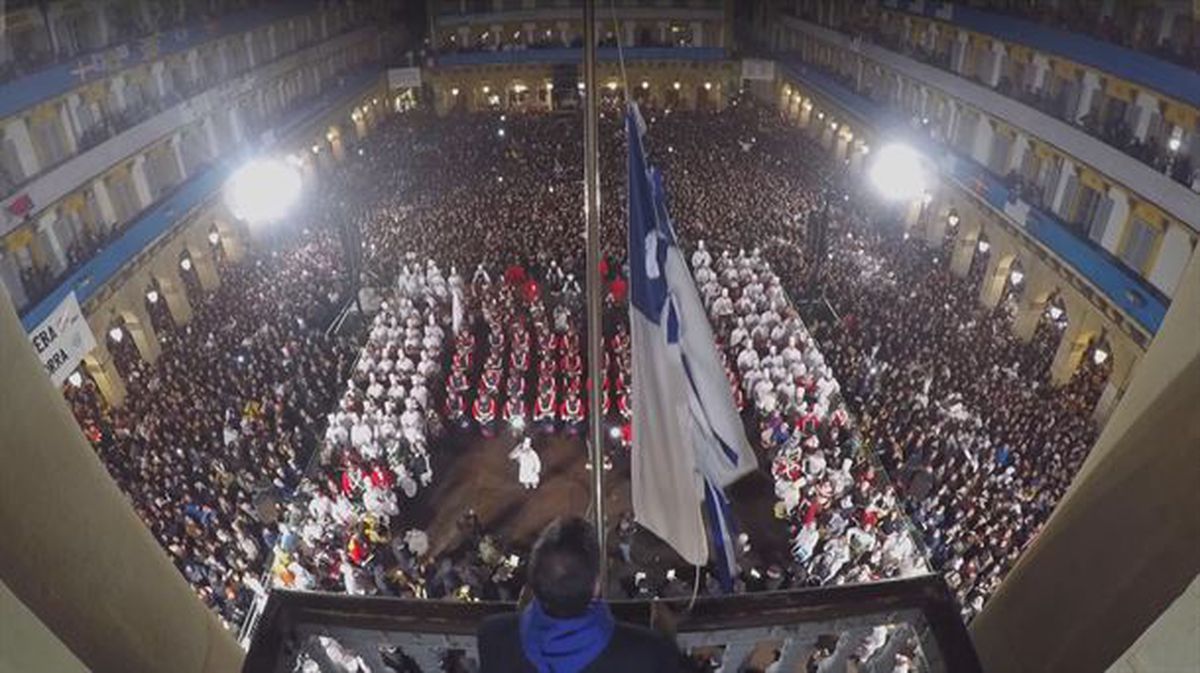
62,339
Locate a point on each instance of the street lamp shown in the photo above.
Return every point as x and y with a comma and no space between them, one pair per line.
1016,276
75,379
898,173
152,296
116,334
1099,355
984,246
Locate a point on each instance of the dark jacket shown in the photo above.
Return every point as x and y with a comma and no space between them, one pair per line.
632,649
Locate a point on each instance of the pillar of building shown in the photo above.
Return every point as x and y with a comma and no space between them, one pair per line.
57,255
1121,544
141,184
232,240
965,244
171,289
248,38
996,65
17,132
103,370
1147,107
202,262
139,326
1082,327
995,278
1124,356
95,576
176,142
1088,88
1032,305
935,224
70,135
108,212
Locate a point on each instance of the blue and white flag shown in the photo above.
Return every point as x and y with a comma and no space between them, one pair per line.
688,440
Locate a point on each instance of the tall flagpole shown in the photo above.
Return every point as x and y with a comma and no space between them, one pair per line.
595,285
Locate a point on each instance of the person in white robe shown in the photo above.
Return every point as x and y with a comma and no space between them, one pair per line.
529,464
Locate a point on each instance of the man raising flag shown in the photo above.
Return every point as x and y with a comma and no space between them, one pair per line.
688,441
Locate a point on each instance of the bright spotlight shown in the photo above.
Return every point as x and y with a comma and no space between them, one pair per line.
116,334
897,172
75,379
984,246
1099,355
1174,144
708,86
614,432
1016,276
186,263
214,237
645,84
1055,312
262,190
676,86
952,220
500,132
152,296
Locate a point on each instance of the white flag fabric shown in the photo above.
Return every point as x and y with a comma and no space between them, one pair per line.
688,440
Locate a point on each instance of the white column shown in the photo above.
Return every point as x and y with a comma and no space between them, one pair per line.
193,63
248,38
630,33
107,212
17,131
272,46
1090,84
981,149
1068,171
176,141
958,52
1147,105
999,53
157,73
141,186
118,91
72,104
1041,65
697,34
235,123
1114,226
64,115
1017,152
210,134
57,254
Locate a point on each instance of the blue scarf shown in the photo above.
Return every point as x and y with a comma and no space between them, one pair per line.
556,645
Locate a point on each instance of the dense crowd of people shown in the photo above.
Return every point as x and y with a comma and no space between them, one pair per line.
472,230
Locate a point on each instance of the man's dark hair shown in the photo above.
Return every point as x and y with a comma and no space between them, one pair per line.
564,566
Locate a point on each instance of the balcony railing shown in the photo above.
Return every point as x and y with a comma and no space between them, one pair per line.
163,215
57,79
567,55
1133,295
874,623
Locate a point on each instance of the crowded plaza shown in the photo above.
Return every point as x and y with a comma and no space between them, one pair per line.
900,429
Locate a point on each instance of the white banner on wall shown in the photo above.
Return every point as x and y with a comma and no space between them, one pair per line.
404,78
62,339
758,70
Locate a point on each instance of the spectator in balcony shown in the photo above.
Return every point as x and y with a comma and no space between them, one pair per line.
566,629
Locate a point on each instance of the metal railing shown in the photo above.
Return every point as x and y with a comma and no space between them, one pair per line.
871,624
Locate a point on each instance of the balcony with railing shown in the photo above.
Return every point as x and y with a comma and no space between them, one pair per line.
1163,152
1132,294
865,627
48,46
